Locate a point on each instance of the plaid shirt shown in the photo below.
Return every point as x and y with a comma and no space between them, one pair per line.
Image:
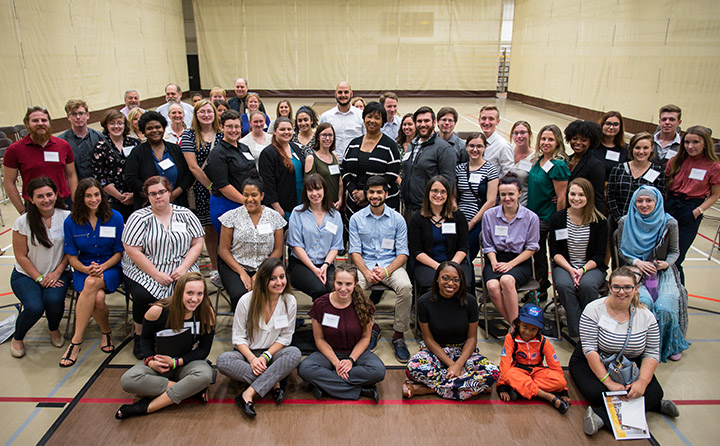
622,185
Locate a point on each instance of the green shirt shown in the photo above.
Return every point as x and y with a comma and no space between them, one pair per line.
541,189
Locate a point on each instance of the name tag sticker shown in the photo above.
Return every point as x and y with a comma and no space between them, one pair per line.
56,233
697,174
334,169
331,228
607,323
651,175
524,165
178,226
51,157
280,321
670,154
387,243
193,326
548,166
331,320
561,234
501,230
264,228
406,156
166,164
126,150
475,178
107,231
249,156
448,228
612,155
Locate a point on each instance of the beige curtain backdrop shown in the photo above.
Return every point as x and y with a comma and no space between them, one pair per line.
374,44
54,50
632,56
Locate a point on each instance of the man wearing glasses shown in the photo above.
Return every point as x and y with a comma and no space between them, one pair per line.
81,138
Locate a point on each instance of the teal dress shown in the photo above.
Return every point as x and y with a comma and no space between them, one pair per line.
541,189
297,164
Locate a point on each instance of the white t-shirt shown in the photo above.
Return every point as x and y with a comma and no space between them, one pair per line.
44,259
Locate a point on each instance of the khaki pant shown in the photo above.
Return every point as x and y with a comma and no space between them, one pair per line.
399,282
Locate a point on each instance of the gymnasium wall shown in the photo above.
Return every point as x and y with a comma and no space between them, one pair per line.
627,55
377,45
54,50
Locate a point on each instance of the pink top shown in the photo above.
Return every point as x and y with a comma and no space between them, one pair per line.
705,174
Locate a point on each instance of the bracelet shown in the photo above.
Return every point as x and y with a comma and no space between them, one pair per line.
174,364
605,377
584,270
210,187
700,209
387,274
266,354
350,358
39,278
325,263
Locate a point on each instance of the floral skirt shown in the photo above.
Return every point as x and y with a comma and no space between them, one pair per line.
479,374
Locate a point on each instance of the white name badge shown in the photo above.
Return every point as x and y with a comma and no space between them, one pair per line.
331,228
607,323
524,165
331,320
501,230
280,321
178,226
334,169
670,154
475,178
548,166
387,243
56,233
193,326
166,164
51,157
561,234
406,156
264,228
126,150
448,228
612,155
248,156
697,174
651,175
107,231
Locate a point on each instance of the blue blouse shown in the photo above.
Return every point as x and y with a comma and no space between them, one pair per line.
317,241
171,173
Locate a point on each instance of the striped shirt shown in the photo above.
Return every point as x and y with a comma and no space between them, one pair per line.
165,247
599,332
577,242
472,196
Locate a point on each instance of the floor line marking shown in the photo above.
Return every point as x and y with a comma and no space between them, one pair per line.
675,429
705,254
708,239
704,298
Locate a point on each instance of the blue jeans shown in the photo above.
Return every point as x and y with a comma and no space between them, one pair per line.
218,206
36,300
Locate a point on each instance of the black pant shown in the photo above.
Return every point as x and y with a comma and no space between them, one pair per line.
541,258
681,208
301,278
232,282
592,389
141,298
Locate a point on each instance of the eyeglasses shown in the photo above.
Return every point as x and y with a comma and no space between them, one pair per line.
626,288
611,124
78,114
438,191
327,136
158,193
455,280
475,146
520,132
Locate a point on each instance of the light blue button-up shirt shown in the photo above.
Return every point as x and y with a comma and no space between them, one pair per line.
317,241
371,236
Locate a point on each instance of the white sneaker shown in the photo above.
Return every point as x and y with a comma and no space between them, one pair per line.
592,423
215,279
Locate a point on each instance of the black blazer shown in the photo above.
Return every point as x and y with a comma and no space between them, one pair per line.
141,166
420,238
596,244
279,183
589,168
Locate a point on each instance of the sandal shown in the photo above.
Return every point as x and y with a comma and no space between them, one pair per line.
109,347
70,362
563,407
201,396
133,410
408,390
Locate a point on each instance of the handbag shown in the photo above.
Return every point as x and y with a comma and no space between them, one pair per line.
621,369
191,190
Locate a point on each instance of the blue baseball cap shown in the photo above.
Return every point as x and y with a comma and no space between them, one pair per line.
533,315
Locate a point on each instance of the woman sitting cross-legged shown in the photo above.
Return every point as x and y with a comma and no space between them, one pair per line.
449,362
342,320
187,319
263,327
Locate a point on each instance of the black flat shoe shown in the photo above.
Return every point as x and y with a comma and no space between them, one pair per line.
247,407
133,410
278,394
371,392
317,393
563,407
137,351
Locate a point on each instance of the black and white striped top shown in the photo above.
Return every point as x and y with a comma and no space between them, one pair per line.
468,202
165,247
599,332
577,242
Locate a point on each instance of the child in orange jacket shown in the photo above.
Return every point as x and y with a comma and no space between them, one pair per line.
521,363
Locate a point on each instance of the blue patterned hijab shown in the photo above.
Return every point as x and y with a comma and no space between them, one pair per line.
642,233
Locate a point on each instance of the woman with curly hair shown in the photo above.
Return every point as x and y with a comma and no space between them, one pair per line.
584,136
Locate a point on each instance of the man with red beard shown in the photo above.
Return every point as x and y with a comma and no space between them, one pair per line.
39,154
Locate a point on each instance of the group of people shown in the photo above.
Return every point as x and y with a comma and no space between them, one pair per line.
412,206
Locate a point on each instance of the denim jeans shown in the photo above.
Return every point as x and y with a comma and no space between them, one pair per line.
36,299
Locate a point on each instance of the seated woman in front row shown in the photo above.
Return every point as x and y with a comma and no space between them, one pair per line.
263,327
342,320
162,379
315,234
437,233
449,362
249,235
510,234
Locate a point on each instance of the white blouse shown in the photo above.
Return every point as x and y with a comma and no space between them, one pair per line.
280,328
44,259
252,244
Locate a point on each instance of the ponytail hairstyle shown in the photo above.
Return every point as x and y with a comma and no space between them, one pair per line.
363,307
38,230
287,163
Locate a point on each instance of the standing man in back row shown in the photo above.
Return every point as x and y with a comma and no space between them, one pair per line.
389,101
666,141
498,151
346,120
81,138
173,95
239,102
447,120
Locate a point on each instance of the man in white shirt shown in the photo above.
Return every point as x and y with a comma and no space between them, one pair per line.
666,142
132,100
391,128
173,94
498,151
345,119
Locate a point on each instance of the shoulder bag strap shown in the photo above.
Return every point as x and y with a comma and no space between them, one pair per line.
627,338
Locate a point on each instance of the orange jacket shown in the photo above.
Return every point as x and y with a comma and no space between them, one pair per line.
527,353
